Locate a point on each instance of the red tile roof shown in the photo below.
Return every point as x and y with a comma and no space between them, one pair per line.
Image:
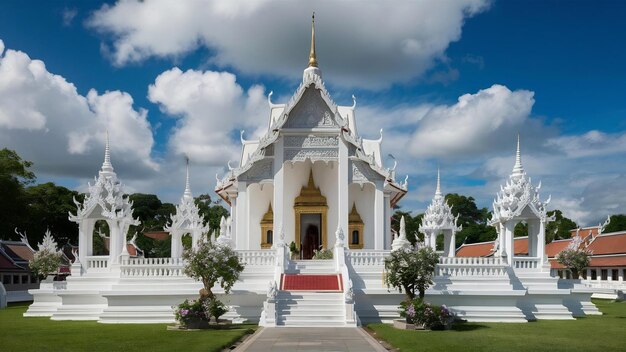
613,243
21,251
555,247
481,249
619,260
157,235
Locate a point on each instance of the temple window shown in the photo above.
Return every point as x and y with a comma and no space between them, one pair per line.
594,274
604,274
614,274
267,228
355,226
269,237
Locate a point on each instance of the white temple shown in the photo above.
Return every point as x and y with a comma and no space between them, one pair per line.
312,180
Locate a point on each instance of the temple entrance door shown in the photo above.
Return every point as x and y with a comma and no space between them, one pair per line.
310,211
310,234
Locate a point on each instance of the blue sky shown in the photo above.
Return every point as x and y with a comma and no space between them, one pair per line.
552,70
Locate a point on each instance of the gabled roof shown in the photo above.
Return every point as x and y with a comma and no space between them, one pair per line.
610,243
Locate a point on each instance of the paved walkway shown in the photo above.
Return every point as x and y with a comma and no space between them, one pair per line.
311,339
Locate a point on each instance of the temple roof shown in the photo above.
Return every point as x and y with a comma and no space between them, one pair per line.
517,195
438,215
106,198
187,217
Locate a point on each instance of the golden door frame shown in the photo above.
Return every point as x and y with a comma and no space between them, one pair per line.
310,201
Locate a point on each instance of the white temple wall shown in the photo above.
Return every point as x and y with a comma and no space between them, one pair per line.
326,178
260,198
365,206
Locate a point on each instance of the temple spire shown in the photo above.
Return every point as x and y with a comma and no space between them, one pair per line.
312,56
438,191
518,169
187,193
106,165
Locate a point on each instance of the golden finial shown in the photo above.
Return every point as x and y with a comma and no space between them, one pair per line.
312,57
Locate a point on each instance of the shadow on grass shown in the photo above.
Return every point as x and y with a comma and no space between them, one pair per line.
465,326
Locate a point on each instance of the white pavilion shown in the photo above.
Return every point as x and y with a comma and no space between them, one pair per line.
311,180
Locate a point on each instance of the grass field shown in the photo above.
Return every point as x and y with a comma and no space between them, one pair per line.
593,333
42,334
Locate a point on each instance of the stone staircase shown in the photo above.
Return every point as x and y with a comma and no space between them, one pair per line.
311,307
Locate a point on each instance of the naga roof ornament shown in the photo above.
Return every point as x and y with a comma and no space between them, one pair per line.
517,194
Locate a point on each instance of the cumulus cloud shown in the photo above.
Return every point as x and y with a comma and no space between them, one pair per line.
475,124
43,117
589,144
210,107
387,43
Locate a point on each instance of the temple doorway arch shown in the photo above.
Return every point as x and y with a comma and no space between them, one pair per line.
310,210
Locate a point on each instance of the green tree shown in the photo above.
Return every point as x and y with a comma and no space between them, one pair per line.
617,223
559,228
211,211
411,270
14,176
152,213
412,225
212,263
520,230
472,218
48,208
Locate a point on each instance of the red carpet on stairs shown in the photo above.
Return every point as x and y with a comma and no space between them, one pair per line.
296,282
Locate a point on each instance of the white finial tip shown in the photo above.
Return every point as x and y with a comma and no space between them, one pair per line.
518,169
106,165
438,190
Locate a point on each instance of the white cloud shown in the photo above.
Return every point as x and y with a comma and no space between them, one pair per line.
386,43
68,16
477,123
43,117
592,143
211,107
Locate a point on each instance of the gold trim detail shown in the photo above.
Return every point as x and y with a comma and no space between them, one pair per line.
312,56
267,224
310,201
355,223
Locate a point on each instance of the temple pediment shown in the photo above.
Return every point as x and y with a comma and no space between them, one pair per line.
311,111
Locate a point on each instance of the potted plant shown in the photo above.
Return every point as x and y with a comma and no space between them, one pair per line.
322,254
293,249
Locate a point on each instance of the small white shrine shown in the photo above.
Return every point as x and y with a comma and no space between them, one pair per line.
311,180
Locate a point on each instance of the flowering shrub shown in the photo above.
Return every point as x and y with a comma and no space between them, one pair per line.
45,263
201,309
322,254
423,313
574,257
213,263
411,270
189,311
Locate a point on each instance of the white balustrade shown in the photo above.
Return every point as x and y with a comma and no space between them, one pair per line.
257,257
525,263
152,267
470,266
97,262
359,258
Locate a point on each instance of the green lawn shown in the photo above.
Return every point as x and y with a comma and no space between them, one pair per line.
593,333
42,334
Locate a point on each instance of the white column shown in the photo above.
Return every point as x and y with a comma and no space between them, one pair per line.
233,219
433,241
114,242
342,190
277,202
242,218
507,236
177,244
541,243
387,239
533,231
452,244
379,216
85,239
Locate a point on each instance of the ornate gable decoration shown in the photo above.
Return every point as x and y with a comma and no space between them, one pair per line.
438,215
187,217
107,193
311,111
517,194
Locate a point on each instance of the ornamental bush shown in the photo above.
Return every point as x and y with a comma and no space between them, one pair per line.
575,256
575,260
189,311
322,254
212,263
411,270
429,316
44,263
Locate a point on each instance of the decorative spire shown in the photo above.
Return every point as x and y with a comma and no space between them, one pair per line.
187,193
106,165
518,169
438,191
312,57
